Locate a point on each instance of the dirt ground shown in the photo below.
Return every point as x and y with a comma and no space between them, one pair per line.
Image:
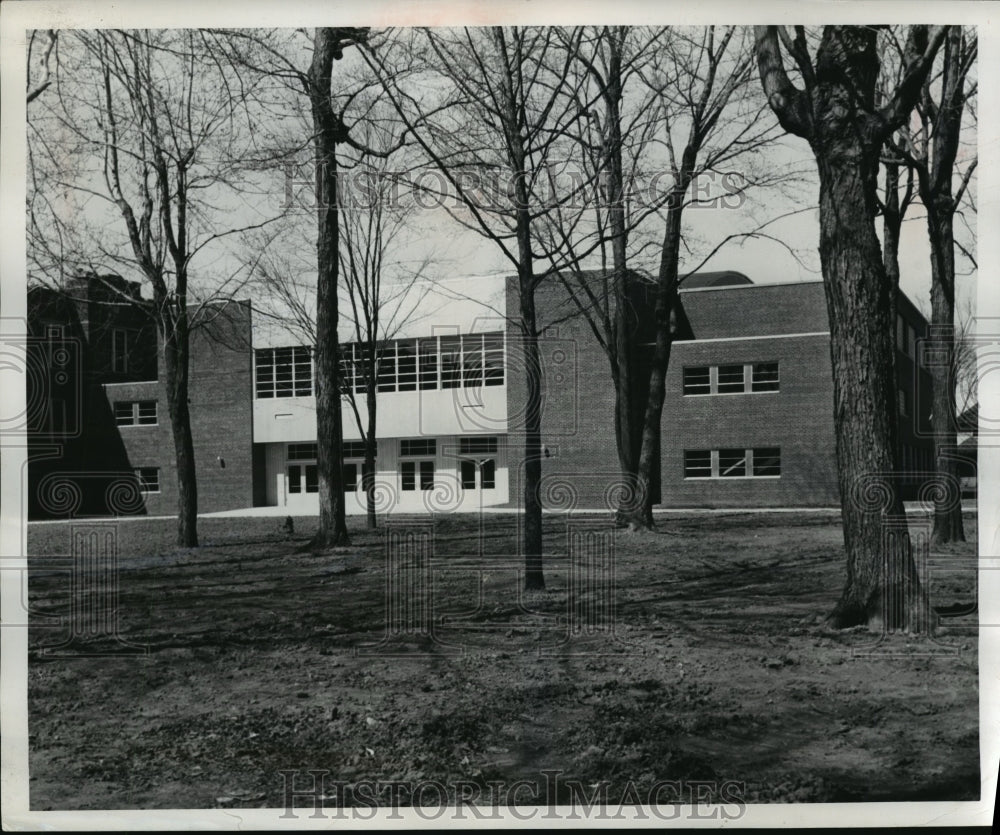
693,654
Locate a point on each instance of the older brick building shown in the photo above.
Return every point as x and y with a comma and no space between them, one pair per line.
747,422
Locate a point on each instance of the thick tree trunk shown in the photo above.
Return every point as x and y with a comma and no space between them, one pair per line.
947,498
176,342
332,530
892,222
882,588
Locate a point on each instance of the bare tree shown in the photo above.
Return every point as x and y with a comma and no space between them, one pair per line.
125,159
40,66
834,109
492,113
932,152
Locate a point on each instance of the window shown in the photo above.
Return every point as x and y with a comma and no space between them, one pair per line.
451,362
149,479
119,351
283,372
354,449
766,462
730,379
135,413
760,462
697,463
488,471
468,475
350,477
302,452
385,380
406,365
419,446
493,359
428,363
903,401
312,478
732,463
698,380
477,446
295,479
409,470
764,376
472,360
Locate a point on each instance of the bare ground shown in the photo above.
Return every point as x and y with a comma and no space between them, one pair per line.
712,665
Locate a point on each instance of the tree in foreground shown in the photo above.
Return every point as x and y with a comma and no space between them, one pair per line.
130,152
834,109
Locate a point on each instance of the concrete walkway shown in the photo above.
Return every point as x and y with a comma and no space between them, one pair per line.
281,512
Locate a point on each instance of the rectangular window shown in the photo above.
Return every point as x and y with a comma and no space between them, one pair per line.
764,377
295,479
386,378
149,479
419,446
406,365
732,463
730,379
697,463
451,362
477,446
428,364
426,475
903,401
407,470
347,382
468,475
697,380
135,413
124,414
472,360
493,367
312,479
350,478
302,452
766,462
283,372
119,351
354,449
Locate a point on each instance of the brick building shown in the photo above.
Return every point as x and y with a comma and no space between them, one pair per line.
747,422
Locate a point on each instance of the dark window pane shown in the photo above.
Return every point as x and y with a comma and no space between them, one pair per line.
428,364
123,414
477,446
147,412
426,475
765,377
732,463
406,365
302,452
149,479
468,475
354,449
730,379
418,446
493,367
767,461
408,471
350,478
312,479
451,362
386,380
697,463
697,380
472,360
295,479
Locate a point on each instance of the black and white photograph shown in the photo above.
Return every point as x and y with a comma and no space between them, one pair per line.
537,415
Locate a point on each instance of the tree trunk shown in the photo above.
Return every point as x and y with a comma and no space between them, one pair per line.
666,302
368,468
534,577
176,342
332,530
882,588
947,505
